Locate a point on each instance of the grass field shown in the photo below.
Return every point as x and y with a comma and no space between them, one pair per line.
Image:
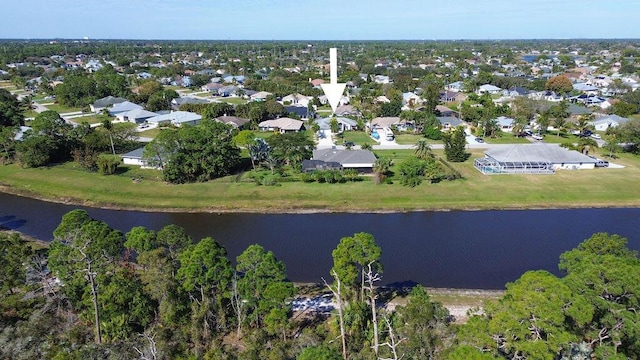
152,133
357,137
587,188
92,119
233,100
62,109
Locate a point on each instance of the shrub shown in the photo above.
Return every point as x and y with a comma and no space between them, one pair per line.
108,164
307,177
432,133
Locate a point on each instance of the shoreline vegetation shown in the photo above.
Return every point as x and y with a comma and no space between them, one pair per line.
137,189
457,301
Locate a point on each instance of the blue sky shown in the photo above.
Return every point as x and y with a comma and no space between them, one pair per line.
319,19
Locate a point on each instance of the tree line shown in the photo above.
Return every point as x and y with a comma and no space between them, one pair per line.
95,292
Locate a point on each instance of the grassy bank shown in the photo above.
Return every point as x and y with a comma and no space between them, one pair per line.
587,188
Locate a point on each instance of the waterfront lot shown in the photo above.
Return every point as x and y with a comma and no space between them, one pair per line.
586,188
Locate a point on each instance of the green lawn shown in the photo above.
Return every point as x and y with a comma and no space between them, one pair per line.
233,100
60,109
412,139
587,188
552,137
152,133
357,137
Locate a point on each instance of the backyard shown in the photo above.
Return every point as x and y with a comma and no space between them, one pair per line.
585,188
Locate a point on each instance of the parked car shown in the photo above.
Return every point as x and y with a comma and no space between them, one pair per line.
349,144
596,136
600,162
479,139
537,136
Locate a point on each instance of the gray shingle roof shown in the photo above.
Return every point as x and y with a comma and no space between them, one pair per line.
347,158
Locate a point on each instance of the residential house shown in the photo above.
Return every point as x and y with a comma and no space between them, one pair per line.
136,116
135,158
411,100
144,75
282,125
445,111
488,89
296,100
234,121
455,86
449,122
316,82
515,92
452,96
381,79
300,111
105,102
211,87
539,158
586,88
179,101
604,122
347,110
260,96
229,90
123,107
505,123
177,118
361,160
381,100
344,124
386,122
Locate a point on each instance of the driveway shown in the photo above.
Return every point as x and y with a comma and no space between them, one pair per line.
325,140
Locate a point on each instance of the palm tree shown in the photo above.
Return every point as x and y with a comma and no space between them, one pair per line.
423,149
583,123
561,124
108,126
381,168
543,123
585,144
518,125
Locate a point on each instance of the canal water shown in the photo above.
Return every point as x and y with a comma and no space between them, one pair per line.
456,249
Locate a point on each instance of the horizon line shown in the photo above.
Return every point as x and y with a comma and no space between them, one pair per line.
85,39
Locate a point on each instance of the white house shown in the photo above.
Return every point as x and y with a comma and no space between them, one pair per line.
297,100
604,122
123,107
135,116
282,125
505,123
488,89
177,118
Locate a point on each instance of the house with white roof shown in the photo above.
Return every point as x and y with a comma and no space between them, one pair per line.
177,118
123,107
454,86
539,158
136,116
344,124
488,89
604,122
282,125
297,100
105,102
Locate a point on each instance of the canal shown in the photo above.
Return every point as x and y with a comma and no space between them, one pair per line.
456,249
